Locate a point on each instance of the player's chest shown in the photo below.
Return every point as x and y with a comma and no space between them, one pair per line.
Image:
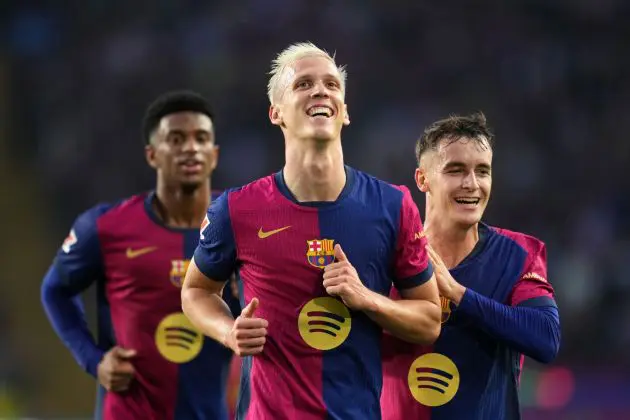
493,274
145,263
304,243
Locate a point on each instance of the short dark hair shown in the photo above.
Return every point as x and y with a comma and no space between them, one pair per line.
171,103
453,128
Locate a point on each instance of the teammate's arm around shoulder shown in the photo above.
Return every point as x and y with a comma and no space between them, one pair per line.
212,265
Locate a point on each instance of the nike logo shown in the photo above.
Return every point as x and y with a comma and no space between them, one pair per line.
135,253
263,235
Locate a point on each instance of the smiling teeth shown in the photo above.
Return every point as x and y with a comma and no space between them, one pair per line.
467,200
319,110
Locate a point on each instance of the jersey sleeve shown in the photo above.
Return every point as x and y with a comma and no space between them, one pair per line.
215,255
78,260
532,288
77,265
411,262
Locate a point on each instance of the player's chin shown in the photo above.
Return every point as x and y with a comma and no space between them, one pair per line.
468,218
194,176
324,133
190,183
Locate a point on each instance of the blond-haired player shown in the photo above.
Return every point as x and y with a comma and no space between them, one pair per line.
317,246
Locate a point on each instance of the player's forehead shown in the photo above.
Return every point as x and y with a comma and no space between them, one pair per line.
464,150
186,121
313,66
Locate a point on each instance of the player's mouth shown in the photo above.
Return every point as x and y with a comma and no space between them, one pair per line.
191,166
320,111
468,202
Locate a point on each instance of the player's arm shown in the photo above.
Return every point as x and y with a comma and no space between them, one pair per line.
76,266
414,318
529,323
203,305
212,265
417,316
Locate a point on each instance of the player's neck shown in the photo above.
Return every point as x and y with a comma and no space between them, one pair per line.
179,208
452,243
314,173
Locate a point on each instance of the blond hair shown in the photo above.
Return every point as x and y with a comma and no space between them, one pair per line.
290,55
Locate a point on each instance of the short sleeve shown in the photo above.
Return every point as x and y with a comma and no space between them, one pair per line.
78,261
532,288
215,255
411,265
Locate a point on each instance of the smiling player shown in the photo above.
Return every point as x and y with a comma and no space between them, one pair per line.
497,304
317,246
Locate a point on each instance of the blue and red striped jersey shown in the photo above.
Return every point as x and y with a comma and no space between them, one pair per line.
467,373
321,360
139,264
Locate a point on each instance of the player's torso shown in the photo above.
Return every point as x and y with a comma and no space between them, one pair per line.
145,264
315,344
466,374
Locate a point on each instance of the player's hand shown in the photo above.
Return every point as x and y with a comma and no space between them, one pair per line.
342,280
248,334
115,370
447,285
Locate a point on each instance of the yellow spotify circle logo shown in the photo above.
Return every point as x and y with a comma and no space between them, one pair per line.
177,340
324,323
433,379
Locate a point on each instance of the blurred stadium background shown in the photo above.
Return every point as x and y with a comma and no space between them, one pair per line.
552,78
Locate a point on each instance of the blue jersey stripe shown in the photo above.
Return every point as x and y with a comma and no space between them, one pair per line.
196,371
355,396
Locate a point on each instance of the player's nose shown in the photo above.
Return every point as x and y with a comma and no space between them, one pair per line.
320,90
190,144
470,181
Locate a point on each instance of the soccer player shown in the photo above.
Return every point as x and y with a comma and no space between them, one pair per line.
317,246
497,304
151,361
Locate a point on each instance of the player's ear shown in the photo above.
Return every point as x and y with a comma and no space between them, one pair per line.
215,154
421,179
275,115
149,154
346,116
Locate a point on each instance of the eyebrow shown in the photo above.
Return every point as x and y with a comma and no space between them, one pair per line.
183,132
310,76
456,164
180,132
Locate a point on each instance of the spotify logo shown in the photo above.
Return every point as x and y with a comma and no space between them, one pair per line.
324,323
433,379
177,340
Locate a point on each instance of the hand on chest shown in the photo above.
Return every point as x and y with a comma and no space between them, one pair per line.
303,246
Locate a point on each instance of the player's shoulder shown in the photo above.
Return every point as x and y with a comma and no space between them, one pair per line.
124,207
254,194
529,243
216,193
374,188
366,180
105,210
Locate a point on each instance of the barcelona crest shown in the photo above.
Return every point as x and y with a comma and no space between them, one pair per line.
320,252
178,271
